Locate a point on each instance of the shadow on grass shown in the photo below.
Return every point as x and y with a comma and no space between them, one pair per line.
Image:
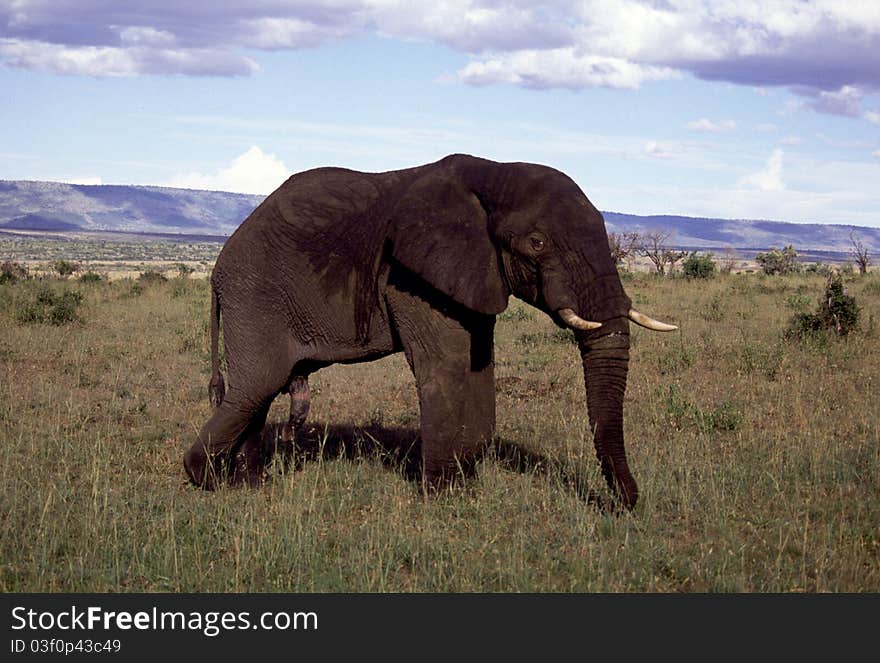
400,450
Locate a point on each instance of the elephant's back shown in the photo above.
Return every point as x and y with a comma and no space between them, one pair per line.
311,250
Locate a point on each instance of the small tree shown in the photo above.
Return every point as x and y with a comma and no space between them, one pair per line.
698,266
623,245
779,262
859,253
653,245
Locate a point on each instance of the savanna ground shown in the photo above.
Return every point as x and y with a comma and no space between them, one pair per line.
758,458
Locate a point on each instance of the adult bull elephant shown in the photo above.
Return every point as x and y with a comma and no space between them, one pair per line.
338,266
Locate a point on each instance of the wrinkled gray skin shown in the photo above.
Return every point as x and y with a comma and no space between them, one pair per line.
342,266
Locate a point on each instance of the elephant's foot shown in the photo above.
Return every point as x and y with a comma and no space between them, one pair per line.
202,473
440,476
242,469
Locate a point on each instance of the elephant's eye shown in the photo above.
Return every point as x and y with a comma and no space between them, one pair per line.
537,243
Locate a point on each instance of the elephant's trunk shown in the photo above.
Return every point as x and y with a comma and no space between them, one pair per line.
606,362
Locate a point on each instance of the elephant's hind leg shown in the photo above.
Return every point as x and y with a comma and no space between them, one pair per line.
299,408
228,447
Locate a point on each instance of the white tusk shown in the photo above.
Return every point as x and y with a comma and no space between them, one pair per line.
649,323
574,321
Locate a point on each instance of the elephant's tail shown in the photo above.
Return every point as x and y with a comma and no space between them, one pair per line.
217,387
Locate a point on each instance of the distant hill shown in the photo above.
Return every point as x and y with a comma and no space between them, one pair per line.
53,206
697,232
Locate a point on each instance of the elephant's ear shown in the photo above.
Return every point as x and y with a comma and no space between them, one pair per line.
440,231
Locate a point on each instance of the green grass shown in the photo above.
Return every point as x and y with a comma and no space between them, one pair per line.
758,459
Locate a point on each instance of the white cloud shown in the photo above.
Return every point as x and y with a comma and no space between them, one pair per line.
561,68
791,140
872,116
658,150
476,26
846,101
828,51
876,154
116,61
770,177
710,126
252,172
273,33
135,34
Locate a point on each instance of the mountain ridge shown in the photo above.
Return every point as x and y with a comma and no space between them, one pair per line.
56,206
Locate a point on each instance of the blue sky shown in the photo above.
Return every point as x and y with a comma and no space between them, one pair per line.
732,109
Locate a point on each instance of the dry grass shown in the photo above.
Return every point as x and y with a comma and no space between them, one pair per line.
758,459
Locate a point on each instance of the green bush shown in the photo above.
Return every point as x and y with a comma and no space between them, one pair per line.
183,270
837,312
90,277
65,268
698,266
49,307
779,262
818,268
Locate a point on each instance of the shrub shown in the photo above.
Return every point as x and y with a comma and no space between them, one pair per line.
65,268
152,276
818,268
837,312
698,266
779,262
90,277
10,272
50,307
183,270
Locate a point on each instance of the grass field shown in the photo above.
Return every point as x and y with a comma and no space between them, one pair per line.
758,458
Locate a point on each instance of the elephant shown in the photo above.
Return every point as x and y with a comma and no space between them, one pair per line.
341,266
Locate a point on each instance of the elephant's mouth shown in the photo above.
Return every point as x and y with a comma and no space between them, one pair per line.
574,321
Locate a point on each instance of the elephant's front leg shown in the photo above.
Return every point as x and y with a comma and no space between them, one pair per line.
451,355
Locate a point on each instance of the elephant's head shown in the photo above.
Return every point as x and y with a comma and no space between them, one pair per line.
484,230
